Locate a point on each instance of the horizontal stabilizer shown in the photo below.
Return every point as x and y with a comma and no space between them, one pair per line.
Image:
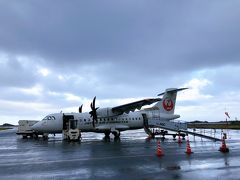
172,90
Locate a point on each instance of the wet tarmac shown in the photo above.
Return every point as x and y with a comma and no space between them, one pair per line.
134,157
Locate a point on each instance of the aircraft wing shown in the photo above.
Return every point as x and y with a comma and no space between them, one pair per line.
126,108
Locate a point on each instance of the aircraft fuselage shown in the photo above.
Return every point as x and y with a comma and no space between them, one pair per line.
53,123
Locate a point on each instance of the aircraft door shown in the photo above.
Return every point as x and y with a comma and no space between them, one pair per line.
66,121
145,120
146,126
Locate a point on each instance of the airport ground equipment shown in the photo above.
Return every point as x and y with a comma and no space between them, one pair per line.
70,130
151,125
25,128
180,128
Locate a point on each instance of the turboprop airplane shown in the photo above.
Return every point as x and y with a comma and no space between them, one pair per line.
113,119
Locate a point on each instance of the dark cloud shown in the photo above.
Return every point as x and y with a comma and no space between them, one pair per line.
127,49
157,33
14,74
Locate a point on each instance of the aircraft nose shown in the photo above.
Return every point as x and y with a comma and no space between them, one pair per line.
37,126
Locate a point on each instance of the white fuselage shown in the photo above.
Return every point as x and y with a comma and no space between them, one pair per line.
53,123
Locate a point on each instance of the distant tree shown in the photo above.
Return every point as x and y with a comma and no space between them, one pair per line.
6,124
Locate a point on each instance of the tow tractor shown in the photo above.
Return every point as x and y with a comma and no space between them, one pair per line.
70,129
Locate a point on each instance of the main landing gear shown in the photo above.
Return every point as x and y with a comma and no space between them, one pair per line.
116,136
107,136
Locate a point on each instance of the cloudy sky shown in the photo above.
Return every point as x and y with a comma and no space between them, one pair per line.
57,55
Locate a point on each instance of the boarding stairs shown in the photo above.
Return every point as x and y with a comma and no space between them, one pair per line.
201,135
180,127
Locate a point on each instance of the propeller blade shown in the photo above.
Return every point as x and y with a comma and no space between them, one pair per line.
80,109
94,100
93,111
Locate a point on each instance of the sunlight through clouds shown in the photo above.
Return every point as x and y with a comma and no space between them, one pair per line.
194,92
44,71
36,90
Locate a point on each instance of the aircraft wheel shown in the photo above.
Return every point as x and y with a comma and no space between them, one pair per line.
79,138
107,134
107,137
174,137
45,137
35,136
183,137
117,139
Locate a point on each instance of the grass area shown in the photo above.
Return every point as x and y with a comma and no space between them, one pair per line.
2,128
214,126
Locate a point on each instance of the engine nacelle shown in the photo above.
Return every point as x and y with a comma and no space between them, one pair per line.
106,112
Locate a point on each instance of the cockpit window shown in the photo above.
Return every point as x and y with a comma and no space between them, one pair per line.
49,118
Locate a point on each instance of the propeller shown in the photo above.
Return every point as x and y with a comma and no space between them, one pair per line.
93,113
80,109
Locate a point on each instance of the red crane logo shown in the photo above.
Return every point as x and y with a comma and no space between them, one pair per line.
168,104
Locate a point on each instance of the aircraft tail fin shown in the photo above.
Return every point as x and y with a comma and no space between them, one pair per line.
167,104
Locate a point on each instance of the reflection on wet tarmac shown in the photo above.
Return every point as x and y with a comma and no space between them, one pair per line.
133,157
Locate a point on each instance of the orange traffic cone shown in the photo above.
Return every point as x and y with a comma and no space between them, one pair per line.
159,152
189,150
224,147
179,139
